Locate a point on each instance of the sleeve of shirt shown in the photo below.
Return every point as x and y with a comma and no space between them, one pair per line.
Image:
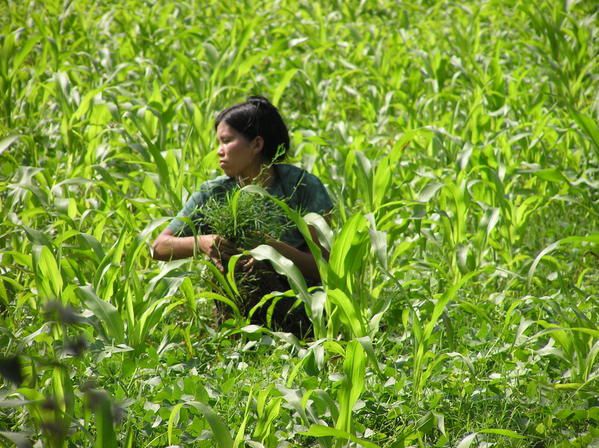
313,196
181,225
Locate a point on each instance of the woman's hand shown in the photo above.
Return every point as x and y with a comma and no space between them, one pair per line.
170,247
249,264
218,249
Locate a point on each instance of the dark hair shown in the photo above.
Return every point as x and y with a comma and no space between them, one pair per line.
258,117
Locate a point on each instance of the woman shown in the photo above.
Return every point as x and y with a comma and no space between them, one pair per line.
252,138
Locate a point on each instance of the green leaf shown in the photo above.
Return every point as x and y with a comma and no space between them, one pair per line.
220,278
47,272
105,435
220,298
324,231
94,244
502,432
284,266
448,296
173,419
366,343
24,51
551,175
364,179
592,239
241,431
429,191
282,85
13,403
354,369
104,311
20,439
382,181
7,141
221,432
37,237
589,126
231,273
352,314
378,240
467,441
326,431
351,236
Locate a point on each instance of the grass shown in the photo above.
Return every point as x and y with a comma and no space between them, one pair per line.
459,143
245,219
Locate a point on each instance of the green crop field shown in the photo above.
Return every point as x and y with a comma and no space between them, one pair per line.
460,303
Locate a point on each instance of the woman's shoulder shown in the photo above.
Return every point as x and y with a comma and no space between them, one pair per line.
210,188
220,183
285,169
296,176
303,190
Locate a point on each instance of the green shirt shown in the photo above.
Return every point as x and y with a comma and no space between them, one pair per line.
298,188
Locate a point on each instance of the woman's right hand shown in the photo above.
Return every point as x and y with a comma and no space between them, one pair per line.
218,249
169,247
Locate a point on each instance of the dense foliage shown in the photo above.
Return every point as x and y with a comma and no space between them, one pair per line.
460,143
244,219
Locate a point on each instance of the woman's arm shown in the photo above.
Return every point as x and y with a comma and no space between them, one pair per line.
303,260
168,247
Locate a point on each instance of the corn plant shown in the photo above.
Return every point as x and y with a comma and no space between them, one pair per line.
458,306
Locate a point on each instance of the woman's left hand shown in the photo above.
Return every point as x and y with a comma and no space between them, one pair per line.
249,264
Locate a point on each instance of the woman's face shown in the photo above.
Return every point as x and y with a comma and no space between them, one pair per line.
238,156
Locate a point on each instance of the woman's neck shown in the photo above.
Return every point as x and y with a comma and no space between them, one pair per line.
263,177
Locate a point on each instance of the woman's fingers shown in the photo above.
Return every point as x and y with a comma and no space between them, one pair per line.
251,264
218,264
247,264
222,248
220,251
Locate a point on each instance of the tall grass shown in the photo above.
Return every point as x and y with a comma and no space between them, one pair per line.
459,303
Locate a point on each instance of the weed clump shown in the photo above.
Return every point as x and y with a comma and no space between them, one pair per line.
248,220
245,219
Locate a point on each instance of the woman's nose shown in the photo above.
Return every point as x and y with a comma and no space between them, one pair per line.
221,150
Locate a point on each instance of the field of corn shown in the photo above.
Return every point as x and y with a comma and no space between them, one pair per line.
459,142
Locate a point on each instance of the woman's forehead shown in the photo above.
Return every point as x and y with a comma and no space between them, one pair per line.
224,129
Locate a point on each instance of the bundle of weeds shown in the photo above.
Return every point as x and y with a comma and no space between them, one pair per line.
247,220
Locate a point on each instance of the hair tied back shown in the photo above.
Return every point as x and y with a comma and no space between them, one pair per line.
258,117
259,101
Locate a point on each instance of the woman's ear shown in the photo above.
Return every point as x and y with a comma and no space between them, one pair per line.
258,144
